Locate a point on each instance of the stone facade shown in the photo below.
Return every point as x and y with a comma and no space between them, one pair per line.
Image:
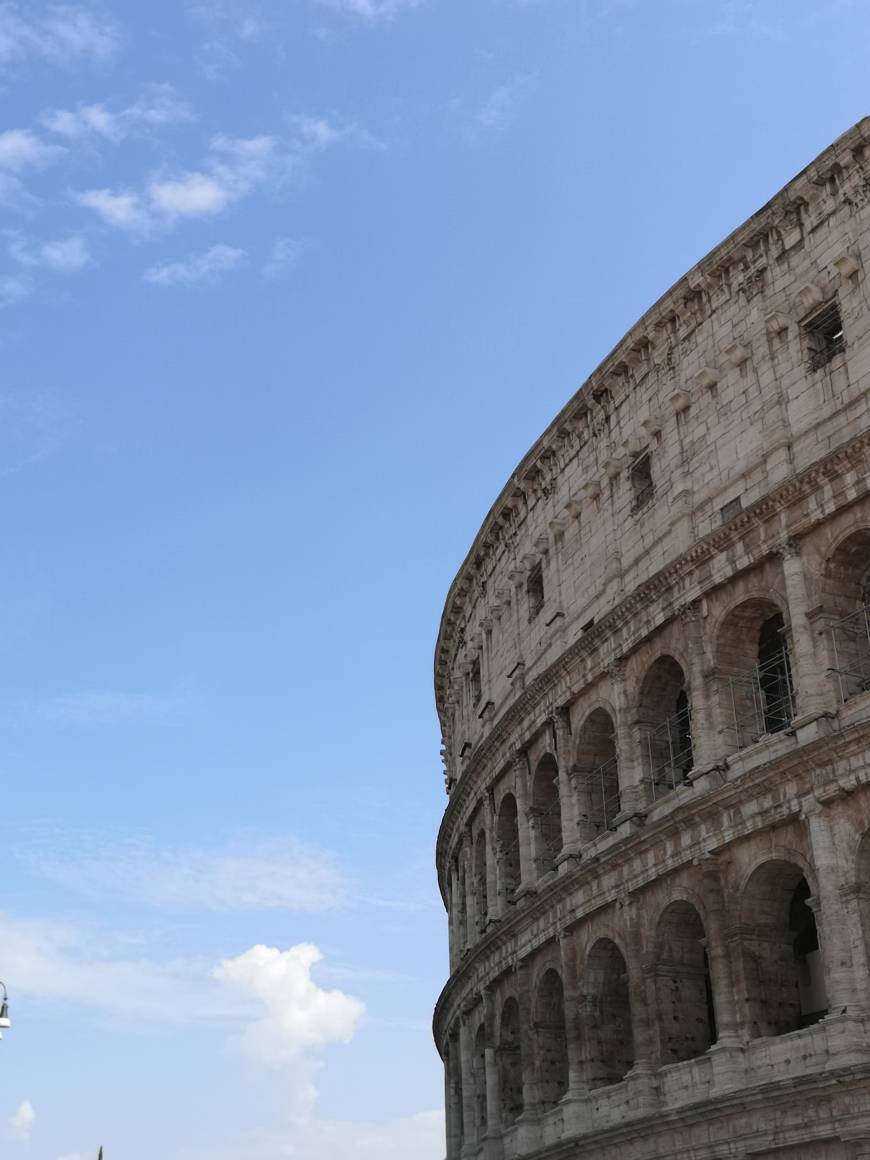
653,681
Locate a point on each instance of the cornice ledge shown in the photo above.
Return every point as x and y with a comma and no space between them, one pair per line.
669,577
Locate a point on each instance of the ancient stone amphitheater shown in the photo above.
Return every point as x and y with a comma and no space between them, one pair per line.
653,679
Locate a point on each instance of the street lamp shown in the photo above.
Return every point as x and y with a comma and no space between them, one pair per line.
5,1021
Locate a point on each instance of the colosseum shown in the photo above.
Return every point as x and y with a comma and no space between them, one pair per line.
653,681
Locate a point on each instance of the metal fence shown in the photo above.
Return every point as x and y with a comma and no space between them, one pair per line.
759,702
669,753
598,788
851,652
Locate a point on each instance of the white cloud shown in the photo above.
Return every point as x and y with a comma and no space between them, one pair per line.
197,268
497,110
296,1014
420,1137
234,168
13,289
59,33
157,107
20,149
91,707
283,257
65,255
252,876
21,1122
124,209
372,9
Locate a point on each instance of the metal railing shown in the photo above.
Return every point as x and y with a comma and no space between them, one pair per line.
599,789
761,701
669,753
851,652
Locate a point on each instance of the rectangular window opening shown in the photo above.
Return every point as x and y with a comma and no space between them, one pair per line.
641,481
476,683
535,591
825,336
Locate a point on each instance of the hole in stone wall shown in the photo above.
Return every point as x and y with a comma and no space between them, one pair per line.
510,1063
687,1026
535,591
551,1044
825,336
608,1015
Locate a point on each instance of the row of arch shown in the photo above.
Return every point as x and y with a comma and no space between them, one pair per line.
756,692
583,1031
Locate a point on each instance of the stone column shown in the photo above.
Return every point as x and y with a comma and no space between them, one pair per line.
470,890
642,999
454,915
813,692
704,736
521,793
727,1051
469,1135
567,798
492,896
453,1099
575,1102
529,1117
492,1147
844,989
632,790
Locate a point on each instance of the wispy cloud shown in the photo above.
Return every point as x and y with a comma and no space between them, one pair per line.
96,707
14,289
22,1120
284,256
197,268
249,876
66,255
496,111
20,149
157,107
372,9
234,168
60,33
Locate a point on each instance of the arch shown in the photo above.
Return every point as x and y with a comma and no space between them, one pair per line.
478,1081
510,1062
846,596
756,691
551,1041
609,1049
480,885
508,836
547,812
597,771
684,993
665,717
785,986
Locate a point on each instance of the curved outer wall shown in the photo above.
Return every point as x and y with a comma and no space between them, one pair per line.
653,680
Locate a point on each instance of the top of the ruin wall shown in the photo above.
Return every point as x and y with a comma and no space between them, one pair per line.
857,137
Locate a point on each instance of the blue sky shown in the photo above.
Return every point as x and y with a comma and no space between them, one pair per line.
286,289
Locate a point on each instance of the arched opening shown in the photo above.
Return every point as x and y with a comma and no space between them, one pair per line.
508,833
478,1079
480,881
597,773
684,992
785,983
547,812
609,1047
510,1063
665,716
847,599
756,690
551,1044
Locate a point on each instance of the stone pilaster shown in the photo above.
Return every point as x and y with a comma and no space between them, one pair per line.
813,694
632,790
561,721
521,793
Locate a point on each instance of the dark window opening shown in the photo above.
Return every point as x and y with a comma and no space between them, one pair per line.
774,675
805,944
685,758
641,481
589,624
535,591
731,509
825,336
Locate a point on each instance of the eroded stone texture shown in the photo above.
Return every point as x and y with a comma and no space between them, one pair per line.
653,680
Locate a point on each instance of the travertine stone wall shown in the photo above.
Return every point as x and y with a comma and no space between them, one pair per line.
653,679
